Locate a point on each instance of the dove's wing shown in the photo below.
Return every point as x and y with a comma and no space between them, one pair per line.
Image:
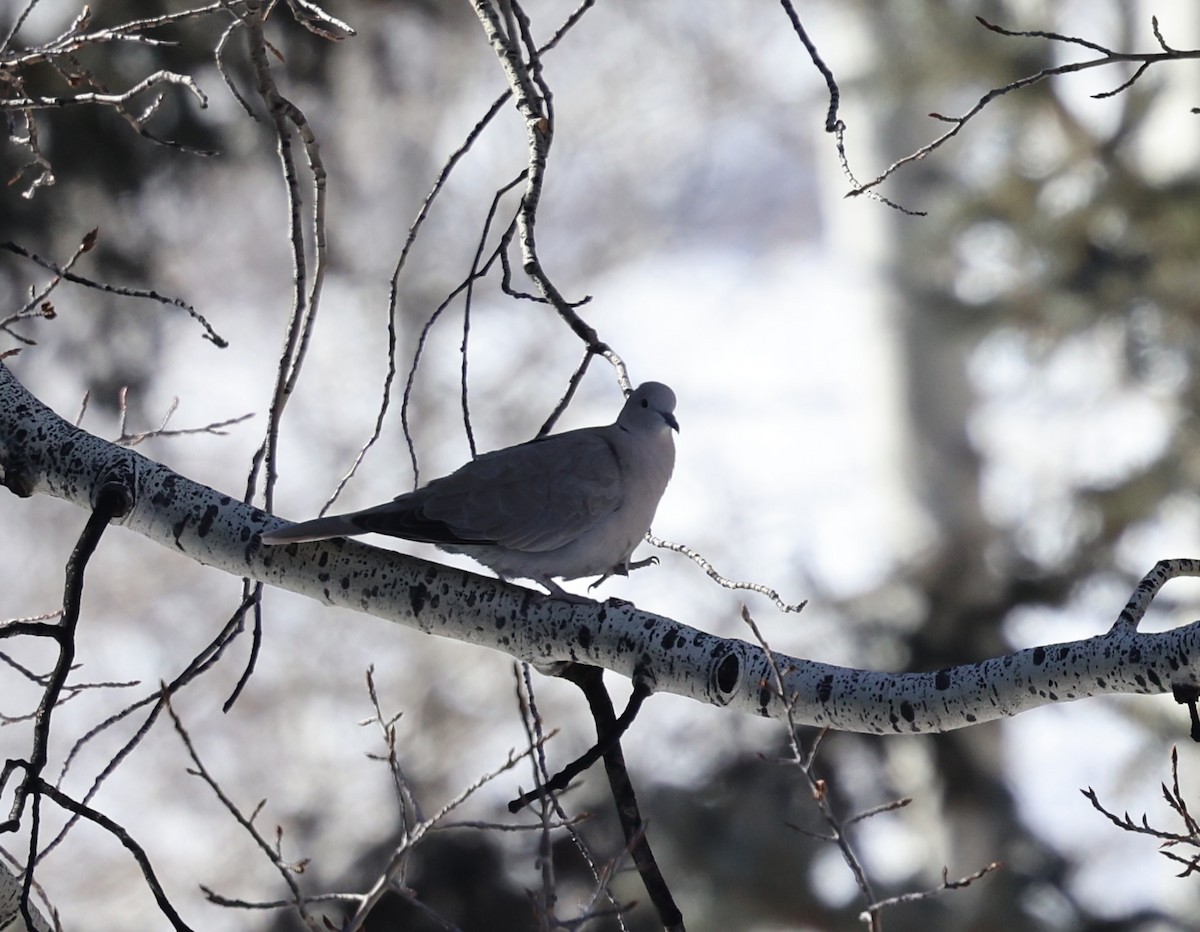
533,497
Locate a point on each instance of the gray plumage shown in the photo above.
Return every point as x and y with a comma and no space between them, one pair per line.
561,506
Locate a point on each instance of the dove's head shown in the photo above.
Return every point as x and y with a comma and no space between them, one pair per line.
650,406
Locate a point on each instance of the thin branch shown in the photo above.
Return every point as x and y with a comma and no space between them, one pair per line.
804,762
113,500
551,805
197,666
520,60
131,845
127,439
1177,801
65,273
419,350
946,885
604,740
720,580
287,871
832,123
396,863
609,728
1106,57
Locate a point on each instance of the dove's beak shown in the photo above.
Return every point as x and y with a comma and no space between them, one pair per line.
670,419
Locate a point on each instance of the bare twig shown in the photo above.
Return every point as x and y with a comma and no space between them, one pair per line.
804,761
117,831
520,59
113,499
1175,799
477,272
946,885
127,439
716,577
287,118
1107,57
398,860
551,807
409,808
64,273
287,871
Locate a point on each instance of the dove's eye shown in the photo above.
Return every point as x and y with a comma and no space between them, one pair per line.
645,403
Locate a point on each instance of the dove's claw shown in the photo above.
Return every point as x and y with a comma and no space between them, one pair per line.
598,581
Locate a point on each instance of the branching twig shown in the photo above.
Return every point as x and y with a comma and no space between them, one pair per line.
64,273
833,123
1106,57
61,56
804,761
287,871
127,439
202,662
946,885
113,500
117,831
409,808
414,229
1174,798
604,741
366,902
39,305
520,59
609,728
550,806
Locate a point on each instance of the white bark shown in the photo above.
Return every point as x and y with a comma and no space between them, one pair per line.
42,453
10,904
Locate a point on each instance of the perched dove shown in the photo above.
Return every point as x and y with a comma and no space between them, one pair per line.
565,505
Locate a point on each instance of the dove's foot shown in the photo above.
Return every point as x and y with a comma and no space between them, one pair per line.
600,580
622,569
559,592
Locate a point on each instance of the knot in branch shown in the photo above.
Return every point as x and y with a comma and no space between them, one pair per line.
115,492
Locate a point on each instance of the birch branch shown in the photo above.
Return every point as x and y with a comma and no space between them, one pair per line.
41,453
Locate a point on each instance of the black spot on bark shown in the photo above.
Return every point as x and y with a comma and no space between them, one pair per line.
418,595
207,520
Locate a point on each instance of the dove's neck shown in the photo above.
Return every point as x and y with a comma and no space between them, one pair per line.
650,461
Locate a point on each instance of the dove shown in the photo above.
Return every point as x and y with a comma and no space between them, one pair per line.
562,506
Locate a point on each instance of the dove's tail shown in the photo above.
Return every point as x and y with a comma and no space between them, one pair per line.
317,529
